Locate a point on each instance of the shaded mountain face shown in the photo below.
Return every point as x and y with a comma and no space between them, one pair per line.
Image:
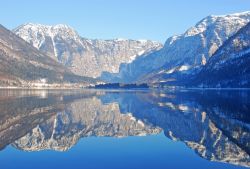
229,67
82,56
21,63
23,110
215,124
183,54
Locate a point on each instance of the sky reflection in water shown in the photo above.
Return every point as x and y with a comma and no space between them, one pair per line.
124,129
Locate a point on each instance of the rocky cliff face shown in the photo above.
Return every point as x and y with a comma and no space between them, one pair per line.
229,67
83,56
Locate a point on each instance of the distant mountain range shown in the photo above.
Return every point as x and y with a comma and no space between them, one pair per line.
83,56
201,57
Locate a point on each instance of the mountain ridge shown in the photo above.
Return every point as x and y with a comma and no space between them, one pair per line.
178,57
86,57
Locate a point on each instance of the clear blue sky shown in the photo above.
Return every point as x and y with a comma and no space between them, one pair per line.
107,19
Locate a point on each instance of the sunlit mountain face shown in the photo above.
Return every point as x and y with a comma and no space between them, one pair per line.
213,124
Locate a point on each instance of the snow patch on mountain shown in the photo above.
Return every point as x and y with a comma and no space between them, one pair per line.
87,57
193,48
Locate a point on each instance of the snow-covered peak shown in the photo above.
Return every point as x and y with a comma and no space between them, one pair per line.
120,39
84,56
218,21
206,36
214,21
38,35
239,14
124,40
38,26
62,26
26,31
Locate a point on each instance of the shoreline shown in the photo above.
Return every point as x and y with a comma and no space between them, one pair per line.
90,88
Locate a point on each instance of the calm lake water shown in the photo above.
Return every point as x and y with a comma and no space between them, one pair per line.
124,129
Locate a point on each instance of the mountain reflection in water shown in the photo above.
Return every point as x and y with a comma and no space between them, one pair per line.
215,124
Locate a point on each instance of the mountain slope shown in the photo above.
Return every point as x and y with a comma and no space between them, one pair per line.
22,64
183,53
83,56
229,67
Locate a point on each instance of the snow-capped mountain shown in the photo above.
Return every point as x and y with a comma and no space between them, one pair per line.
23,65
183,53
83,56
229,67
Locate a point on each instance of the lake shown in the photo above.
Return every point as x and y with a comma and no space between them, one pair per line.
93,129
